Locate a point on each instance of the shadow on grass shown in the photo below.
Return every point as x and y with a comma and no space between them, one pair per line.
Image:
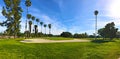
102,41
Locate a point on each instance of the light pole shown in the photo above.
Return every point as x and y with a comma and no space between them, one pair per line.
95,13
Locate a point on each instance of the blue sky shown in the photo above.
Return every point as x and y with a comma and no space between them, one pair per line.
75,16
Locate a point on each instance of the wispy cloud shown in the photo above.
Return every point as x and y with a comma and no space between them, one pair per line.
57,27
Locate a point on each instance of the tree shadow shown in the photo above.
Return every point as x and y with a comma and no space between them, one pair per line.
102,41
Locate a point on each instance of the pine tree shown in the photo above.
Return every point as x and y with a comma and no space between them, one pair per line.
12,12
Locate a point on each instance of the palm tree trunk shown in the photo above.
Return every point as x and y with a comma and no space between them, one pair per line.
26,24
95,27
33,27
37,25
45,30
30,28
41,28
49,31
26,20
15,30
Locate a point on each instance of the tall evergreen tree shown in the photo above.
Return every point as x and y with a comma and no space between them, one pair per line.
12,11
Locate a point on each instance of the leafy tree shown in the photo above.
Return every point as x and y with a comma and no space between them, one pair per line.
45,27
109,31
41,23
76,35
118,34
27,33
12,11
101,32
83,35
66,34
49,26
91,36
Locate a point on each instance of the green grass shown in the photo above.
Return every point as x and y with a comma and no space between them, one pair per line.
13,49
57,38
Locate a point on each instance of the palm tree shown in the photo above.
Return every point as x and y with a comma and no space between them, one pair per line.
30,23
95,13
29,16
49,26
37,20
28,4
33,18
36,29
41,23
45,27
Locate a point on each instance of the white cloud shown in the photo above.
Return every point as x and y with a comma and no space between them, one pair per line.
57,27
103,23
113,8
22,24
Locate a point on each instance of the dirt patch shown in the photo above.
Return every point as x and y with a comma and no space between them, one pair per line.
52,41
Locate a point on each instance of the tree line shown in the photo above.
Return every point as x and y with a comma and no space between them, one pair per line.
109,32
76,35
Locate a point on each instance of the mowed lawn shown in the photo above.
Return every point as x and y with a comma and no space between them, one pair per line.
13,49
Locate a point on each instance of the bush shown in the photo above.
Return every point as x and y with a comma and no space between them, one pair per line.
66,34
83,35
